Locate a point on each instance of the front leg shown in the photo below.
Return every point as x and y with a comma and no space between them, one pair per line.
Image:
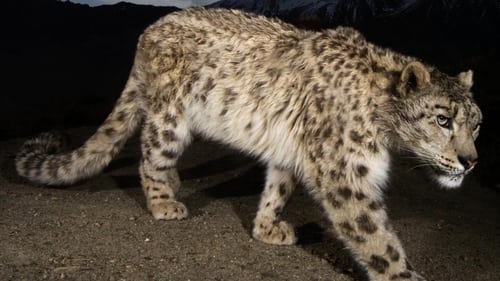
360,221
268,227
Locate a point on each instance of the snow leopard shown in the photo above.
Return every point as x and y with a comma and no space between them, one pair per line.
320,108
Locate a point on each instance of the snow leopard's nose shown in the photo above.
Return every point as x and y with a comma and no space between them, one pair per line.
467,161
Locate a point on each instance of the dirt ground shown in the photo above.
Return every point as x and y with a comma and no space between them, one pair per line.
100,229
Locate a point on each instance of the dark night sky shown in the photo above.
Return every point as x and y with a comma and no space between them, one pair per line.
176,3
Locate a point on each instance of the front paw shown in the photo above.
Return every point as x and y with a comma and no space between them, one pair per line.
408,275
169,210
279,233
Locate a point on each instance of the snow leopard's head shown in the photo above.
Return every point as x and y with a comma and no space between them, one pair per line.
435,117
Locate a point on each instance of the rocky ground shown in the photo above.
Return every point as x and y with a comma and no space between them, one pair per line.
100,229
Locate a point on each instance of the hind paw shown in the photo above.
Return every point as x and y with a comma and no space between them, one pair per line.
169,210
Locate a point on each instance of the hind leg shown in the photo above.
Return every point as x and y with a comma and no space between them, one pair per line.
163,140
267,224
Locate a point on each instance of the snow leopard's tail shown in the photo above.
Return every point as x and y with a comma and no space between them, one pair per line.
40,159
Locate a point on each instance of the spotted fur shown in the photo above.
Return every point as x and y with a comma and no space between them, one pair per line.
322,108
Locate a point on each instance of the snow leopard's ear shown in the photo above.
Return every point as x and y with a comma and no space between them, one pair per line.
414,77
465,78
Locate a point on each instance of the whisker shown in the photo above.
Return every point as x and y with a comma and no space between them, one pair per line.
420,166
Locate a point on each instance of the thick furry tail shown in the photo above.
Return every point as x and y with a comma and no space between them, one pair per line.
41,160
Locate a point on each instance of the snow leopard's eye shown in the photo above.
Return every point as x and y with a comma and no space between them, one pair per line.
443,121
